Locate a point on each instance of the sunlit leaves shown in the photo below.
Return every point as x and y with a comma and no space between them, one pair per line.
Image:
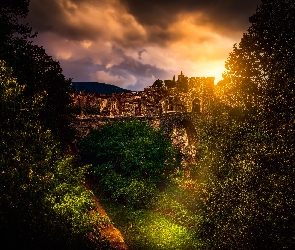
262,64
42,196
249,155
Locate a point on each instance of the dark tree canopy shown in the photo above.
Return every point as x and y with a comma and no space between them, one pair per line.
249,196
33,68
260,70
42,198
170,83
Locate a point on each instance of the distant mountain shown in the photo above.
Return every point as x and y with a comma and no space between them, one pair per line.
97,87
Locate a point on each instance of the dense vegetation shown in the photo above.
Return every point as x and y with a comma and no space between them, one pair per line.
248,146
44,204
136,174
239,194
41,196
35,69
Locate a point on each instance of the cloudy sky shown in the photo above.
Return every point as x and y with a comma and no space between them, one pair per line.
131,43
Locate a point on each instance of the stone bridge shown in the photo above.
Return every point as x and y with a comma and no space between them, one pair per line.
179,127
169,122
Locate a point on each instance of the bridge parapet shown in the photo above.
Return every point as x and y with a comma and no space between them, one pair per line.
179,127
83,125
167,122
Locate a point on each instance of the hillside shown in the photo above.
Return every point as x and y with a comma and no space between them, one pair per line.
97,87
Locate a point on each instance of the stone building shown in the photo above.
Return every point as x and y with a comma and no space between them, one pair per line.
183,95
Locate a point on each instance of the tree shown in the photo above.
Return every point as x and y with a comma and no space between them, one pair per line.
158,83
41,196
130,159
34,69
260,70
247,199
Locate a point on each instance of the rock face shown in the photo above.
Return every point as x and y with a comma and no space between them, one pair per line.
109,232
113,235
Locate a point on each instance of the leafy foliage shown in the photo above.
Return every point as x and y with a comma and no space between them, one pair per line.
131,160
260,70
88,110
246,196
34,69
158,83
247,156
170,83
41,196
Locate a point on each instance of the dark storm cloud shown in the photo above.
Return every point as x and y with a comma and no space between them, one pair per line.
80,70
81,20
232,14
145,74
64,18
58,16
138,69
133,43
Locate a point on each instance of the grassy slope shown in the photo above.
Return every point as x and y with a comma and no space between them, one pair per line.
169,225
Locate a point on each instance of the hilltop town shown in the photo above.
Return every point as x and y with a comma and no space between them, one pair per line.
182,95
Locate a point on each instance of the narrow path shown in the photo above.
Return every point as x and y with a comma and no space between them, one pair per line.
112,234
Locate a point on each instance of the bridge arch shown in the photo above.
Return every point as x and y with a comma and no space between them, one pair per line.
178,121
184,129
180,129
168,122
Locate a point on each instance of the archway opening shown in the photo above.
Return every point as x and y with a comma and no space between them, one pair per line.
196,106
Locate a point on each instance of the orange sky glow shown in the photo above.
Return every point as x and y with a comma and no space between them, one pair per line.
132,43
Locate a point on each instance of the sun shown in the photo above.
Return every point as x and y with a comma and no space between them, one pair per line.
215,70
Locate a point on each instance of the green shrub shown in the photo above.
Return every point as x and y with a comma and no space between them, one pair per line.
139,193
131,160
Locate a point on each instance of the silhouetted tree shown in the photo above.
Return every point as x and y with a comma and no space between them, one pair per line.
33,68
42,198
170,83
260,70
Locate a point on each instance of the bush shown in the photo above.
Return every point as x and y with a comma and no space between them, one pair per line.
130,158
88,110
